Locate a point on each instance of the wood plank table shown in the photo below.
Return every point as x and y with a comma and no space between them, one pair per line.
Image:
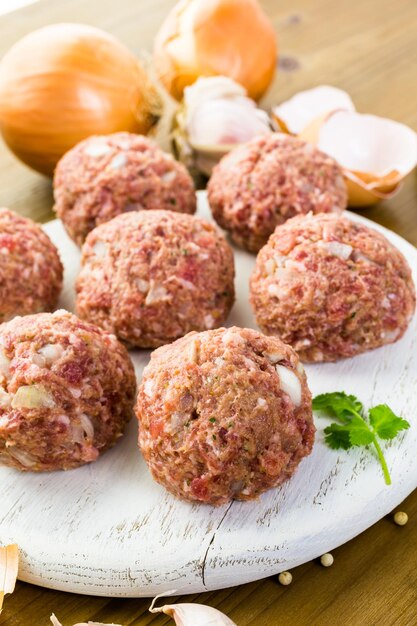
368,48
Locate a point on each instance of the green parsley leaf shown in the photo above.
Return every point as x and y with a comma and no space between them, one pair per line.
355,429
355,433
338,404
386,424
337,436
359,432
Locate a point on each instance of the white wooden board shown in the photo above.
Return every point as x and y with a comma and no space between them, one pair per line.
108,529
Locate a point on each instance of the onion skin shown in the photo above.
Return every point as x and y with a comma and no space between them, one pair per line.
232,38
65,82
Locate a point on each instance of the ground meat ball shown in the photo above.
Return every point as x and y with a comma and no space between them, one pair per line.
30,268
224,414
331,288
153,276
66,392
269,180
104,176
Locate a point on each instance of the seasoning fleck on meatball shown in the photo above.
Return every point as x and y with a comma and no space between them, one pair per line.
269,180
331,287
30,267
224,414
104,176
67,390
153,276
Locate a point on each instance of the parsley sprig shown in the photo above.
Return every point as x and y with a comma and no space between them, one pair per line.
353,429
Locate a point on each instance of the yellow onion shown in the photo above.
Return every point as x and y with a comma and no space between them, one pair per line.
64,82
375,153
214,117
232,38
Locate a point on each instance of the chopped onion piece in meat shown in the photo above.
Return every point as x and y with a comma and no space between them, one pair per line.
87,425
51,352
32,397
4,364
274,357
24,458
290,384
100,249
156,293
5,399
336,248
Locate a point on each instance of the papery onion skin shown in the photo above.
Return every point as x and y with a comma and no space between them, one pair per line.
65,82
208,37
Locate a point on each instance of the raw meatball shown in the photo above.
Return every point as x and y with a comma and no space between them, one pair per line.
224,414
67,390
331,288
153,276
104,176
268,180
30,268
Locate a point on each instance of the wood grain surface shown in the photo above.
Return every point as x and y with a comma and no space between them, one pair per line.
368,48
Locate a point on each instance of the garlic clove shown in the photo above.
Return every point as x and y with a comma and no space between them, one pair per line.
216,115
211,88
293,115
55,622
226,122
9,562
187,614
95,624
376,153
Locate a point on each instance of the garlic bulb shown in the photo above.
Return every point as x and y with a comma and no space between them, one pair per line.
215,116
187,614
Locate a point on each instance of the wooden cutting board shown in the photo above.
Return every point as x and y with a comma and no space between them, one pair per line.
108,529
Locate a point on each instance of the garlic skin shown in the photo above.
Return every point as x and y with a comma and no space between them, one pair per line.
375,153
9,564
294,115
187,614
215,116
